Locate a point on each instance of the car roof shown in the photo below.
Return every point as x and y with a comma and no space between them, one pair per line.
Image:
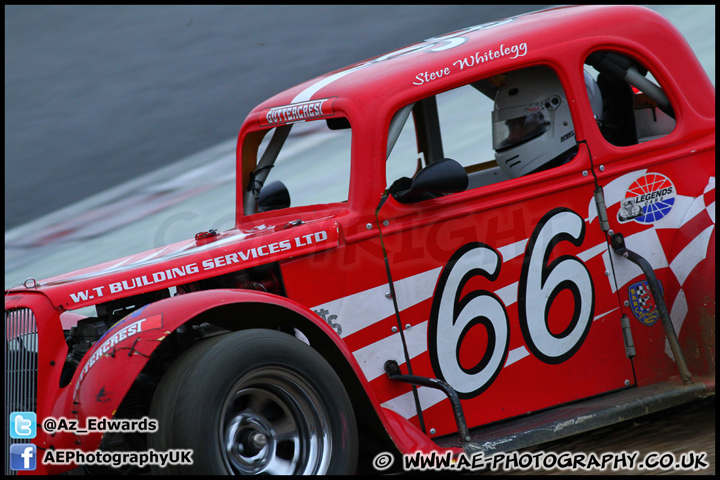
494,46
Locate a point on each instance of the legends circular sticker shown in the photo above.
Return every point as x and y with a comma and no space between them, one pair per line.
648,199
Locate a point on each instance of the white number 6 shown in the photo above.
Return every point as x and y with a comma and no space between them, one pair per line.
540,284
452,318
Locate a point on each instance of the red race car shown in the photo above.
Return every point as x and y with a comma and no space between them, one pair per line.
514,218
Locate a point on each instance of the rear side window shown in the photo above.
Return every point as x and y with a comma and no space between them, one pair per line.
634,107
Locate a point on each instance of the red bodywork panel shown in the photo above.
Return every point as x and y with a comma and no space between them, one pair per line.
529,253
193,260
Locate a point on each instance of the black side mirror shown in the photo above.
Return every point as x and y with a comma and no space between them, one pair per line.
273,196
440,177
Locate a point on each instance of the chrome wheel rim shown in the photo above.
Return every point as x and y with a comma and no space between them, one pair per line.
273,422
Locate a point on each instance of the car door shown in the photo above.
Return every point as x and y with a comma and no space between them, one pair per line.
658,180
503,290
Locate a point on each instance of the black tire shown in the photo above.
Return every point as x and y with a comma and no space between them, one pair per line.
255,401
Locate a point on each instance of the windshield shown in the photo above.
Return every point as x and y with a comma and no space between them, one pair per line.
301,164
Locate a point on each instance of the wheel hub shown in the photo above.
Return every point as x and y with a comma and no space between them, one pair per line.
273,423
257,440
249,442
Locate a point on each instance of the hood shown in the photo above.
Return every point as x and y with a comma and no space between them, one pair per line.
205,256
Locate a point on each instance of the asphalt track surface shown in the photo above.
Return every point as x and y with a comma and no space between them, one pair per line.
677,431
98,97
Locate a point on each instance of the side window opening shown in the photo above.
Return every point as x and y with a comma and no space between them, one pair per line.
634,108
496,129
300,164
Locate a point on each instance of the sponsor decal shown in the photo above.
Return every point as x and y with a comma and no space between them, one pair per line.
322,313
101,396
109,346
567,135
642,303
648,199
190,269
297,112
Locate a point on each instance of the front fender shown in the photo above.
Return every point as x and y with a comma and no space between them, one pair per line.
109,369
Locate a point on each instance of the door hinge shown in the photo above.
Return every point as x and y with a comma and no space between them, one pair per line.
627,335
601,210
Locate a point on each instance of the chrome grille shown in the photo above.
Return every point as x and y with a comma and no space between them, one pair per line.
21,364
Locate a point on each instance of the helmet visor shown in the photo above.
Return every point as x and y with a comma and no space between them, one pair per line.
514,126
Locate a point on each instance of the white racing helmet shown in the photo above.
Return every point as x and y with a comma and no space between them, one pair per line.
532,126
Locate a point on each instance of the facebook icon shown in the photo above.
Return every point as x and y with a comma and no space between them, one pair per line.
23,456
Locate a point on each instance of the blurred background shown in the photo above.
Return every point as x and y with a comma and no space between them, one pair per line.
98,95
121,121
